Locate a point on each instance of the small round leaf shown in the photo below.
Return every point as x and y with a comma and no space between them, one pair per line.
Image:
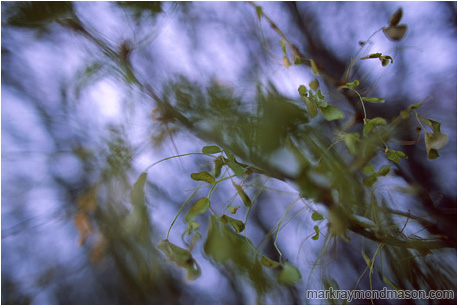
203,176
245,198
289,275
314,67
396,17
199,208
302,90
233,209
331,113
286,61
395,33
211,150
373,100
316,216
314,84
317,232
259,11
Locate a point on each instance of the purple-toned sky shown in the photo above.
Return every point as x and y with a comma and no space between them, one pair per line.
50,103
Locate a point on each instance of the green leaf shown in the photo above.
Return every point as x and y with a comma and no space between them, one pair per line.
314,84
283,47
353,84
181,257
236,253
350,141
238,225
196,237
259,11
368,128
432,153
314,67
297,60
319,96
386,60
238,170
224,246
302,90
245,198
404,114
368,169
218,166
289,275
401,154
269,263
211,150
192,226
434,141
286,62
320,100
377,121
199,208
395,33
414,106
137,196
434,125
232,163
395,155
331,113
370,124
219,245
317,232
316,216
174,252
369,181
312,108
203,176
396,17
384,170
373,55
373,100
233,209
137,222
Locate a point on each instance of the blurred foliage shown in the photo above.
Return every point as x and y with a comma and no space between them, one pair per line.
338,158
138,7
33,14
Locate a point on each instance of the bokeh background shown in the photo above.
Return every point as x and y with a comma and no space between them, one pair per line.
74,121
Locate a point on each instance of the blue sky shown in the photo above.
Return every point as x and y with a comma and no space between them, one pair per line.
46,72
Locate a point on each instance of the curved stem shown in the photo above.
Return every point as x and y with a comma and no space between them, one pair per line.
362,103
216,183
182,207
329,148
353,63
419,121
170,157
280,223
